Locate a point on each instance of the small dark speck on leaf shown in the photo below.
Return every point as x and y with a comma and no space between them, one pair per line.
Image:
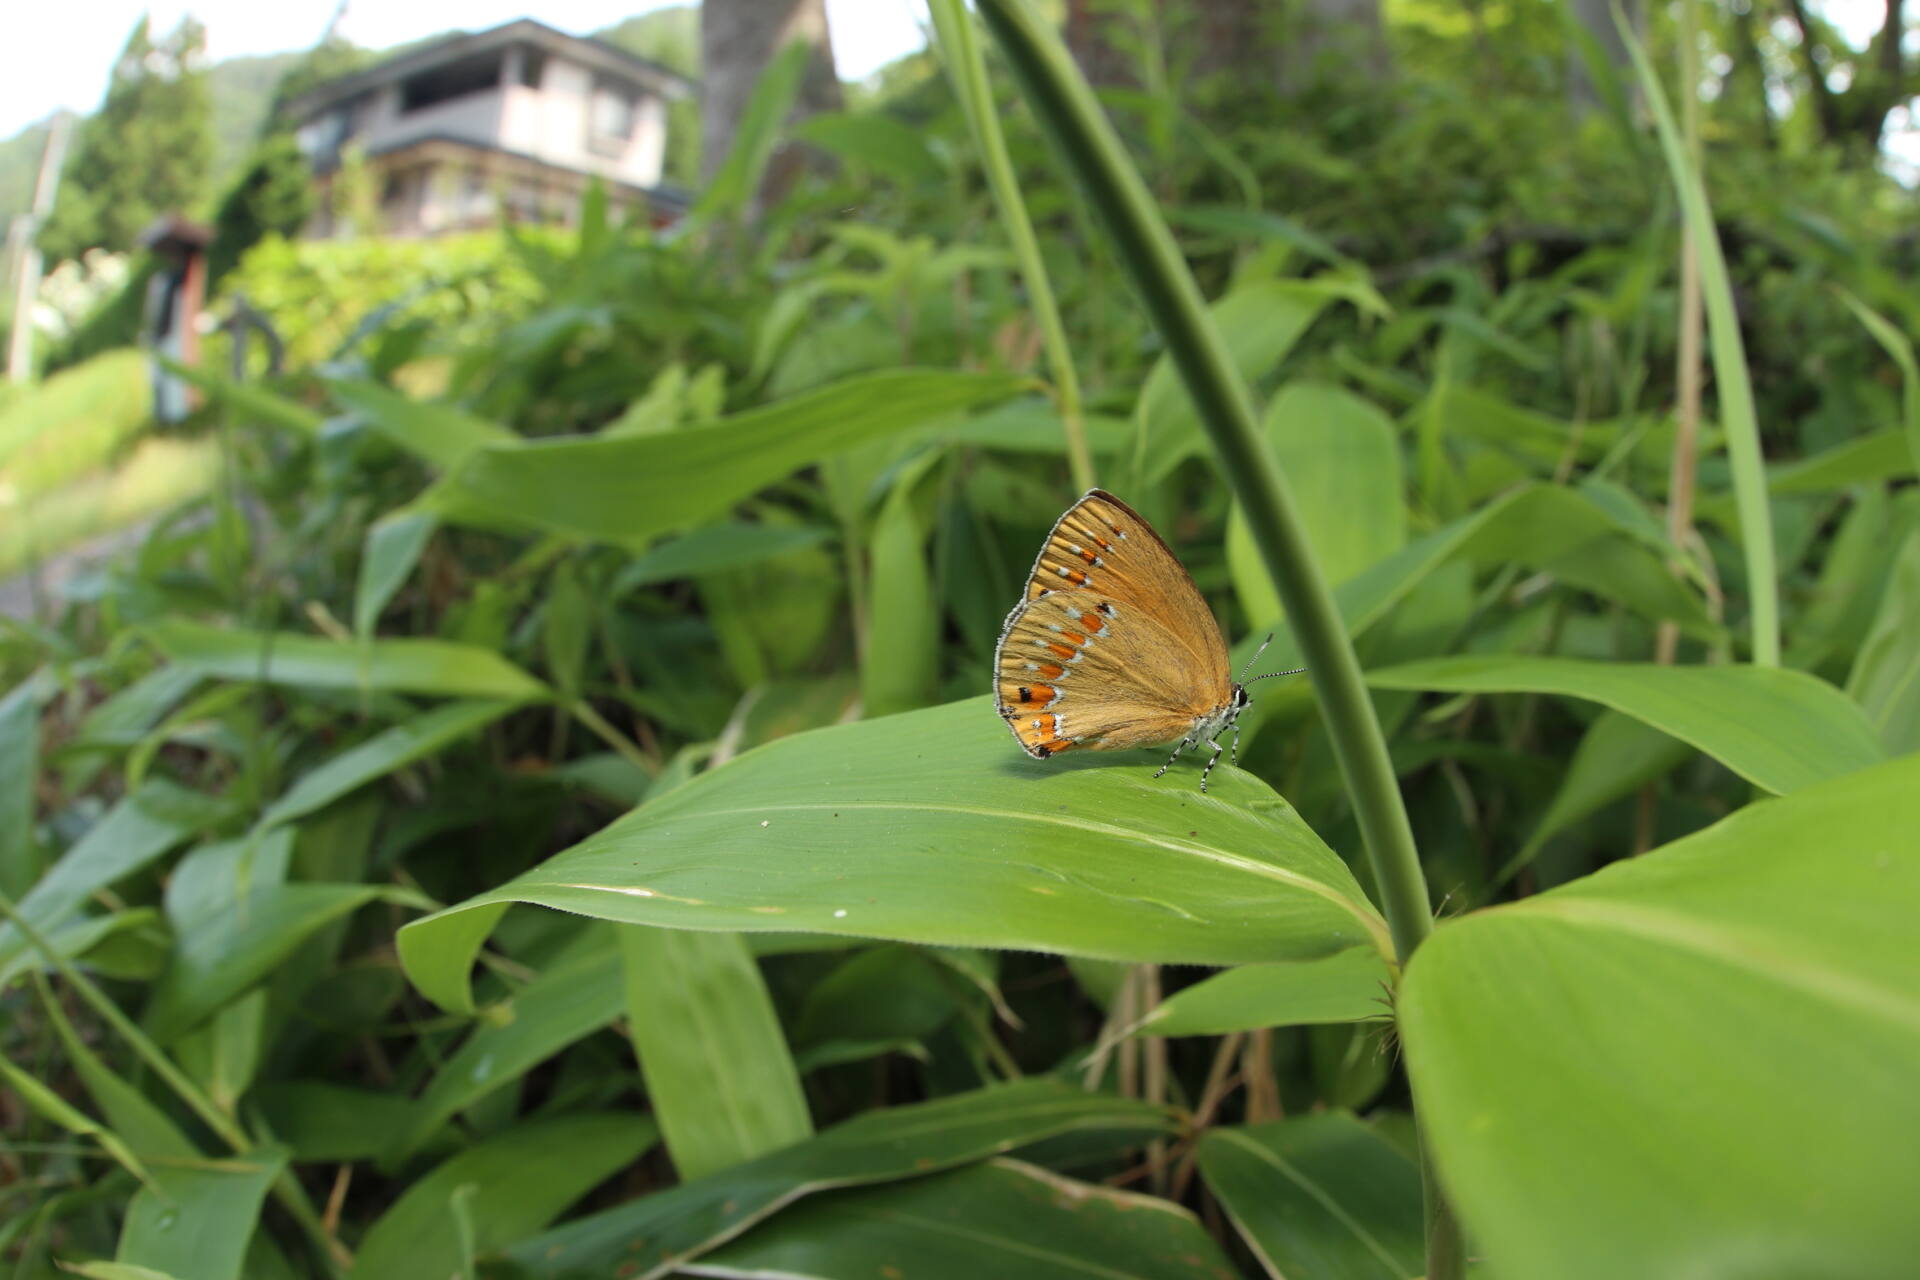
1193,833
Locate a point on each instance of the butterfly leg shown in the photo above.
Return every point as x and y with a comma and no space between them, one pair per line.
1212,760
1184,744
1234,758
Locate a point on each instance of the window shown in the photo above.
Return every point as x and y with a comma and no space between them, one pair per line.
611,114
451,80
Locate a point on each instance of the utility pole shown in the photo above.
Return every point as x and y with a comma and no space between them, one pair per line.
23,236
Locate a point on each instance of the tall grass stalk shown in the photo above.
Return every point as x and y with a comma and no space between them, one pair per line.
1738,419
969,73
1060,97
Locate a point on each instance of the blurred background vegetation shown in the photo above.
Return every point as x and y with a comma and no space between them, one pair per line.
1444,248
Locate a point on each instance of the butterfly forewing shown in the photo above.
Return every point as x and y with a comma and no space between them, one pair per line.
1112,646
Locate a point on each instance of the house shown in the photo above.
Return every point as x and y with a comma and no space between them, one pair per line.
520,117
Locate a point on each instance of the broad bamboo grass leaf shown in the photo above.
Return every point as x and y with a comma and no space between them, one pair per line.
1667,1020
19,765
115,1271
394,544
632,488
661,1232
1885,680
1732,380
712,549
1342,456
1883,455
143,826
196,1219
1900,350
439,433
389,750
1033,426
1323,1196
1001,1218
43,1101
875,140
134,1118
1617,756
735,185
234,921
1261,322
573,997
121,722
521,1180
1781,730
932,827
1347,986
327,1123
124,944
434,667
901,671
251,399
719,1076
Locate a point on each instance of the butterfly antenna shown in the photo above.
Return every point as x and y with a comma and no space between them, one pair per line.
1256,657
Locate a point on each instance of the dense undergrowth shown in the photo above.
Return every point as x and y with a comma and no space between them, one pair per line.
715,529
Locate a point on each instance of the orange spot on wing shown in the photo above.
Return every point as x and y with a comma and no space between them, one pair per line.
1061,650
1073,638
1093,622
1052,671
1088,556
1076,577
1056,746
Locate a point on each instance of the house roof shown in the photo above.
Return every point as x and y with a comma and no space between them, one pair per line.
598,55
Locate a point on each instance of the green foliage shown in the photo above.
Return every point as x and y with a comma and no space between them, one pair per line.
273,196
539,763
145,153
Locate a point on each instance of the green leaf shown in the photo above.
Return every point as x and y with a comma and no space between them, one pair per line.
396,666
132,834
736,181
578,993
999,1218
251,399
1323,1196
1885,679
719,1076
714,548
1260,321
521,1181
566,631
394,544
1616,757
234,922
1347,986
1084,855
902,667
1778,729
1707,1046
19,767
871,138
658,1233
1341,457
441,434
1731,379
122,721
114,1271
53,1108
387,751
1900,350
329,1123
195,1220
635,487
135,1119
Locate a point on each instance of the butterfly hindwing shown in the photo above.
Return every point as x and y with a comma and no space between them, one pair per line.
1112,646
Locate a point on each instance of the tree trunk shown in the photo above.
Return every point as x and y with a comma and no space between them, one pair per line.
738,38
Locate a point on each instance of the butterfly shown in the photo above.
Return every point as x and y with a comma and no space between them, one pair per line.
1112,645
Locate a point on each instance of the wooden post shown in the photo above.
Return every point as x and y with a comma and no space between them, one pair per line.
24,232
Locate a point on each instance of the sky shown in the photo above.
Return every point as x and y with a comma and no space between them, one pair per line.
59,54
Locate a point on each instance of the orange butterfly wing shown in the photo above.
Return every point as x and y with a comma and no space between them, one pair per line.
1113,645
